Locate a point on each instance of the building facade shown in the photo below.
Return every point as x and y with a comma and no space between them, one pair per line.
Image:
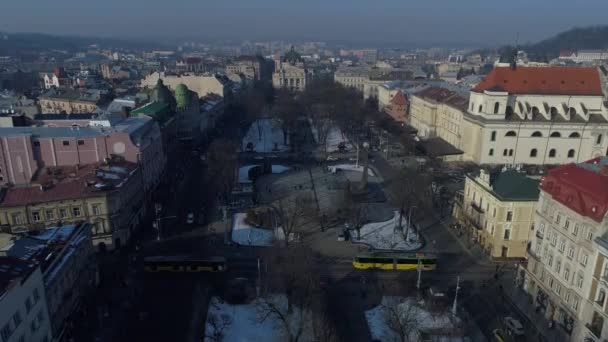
398,107
353,77
498,212
561,276
595,311
290,72
201,84
23,308
72,101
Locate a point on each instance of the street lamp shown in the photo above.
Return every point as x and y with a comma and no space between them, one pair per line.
409,222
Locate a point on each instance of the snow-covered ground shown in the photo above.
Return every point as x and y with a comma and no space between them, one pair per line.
266,135
246,324
334,138
244,172
415,315
246,235
350,167
386,235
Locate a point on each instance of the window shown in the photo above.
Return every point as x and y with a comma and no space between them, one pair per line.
552,153
550,260
571,253
36,295
33,326
491,153
40,316
558,289
17,319
556,135
494,212
6,331
589,235
571,153
95,209
36,216
504,152
558,266
17,218
575,229
480,108
510,134
509,216
510,152
537,134
63,213
598,140
551,282
493,135
533,153
80,142
575,304
584,259
574,135
579,281
36,143
49,214
562,246
496,107
76,211
557,218
66,143
567,297
566,274
507,233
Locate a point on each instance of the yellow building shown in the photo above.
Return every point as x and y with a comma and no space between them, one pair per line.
71,101
497,212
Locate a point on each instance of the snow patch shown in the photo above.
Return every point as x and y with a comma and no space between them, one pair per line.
280,168
387,235
266,135
350,167
246,235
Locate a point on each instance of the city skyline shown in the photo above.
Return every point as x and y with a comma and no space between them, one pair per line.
356,22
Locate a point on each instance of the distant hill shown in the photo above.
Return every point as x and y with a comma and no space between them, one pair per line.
15,43
578,38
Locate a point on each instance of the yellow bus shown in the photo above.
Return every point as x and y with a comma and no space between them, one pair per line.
184,264
395,261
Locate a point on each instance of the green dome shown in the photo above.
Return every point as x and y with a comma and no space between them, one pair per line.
182,96
162,94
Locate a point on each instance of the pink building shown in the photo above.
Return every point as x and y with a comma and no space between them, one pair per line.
25,150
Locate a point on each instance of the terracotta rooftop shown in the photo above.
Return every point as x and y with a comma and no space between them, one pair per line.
543,81
67,183
399,99
581,187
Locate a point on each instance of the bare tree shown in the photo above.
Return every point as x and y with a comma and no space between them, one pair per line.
218,325
401,319
221,158
286,111
292,213
411,188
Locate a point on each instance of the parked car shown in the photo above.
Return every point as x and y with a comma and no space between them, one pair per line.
513,326
332,158
190,218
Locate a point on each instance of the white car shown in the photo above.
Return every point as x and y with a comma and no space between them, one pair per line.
513,326
332,158
190,218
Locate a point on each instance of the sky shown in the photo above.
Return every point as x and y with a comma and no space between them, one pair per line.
385,22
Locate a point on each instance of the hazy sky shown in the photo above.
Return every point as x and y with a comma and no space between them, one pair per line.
485,22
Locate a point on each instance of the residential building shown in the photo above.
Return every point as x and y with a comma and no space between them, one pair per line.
26,150
72,100
201,84
290,72
497,210
438,112
595,311
398,107
252,67
535,115
369,56
584,56
108,196
56,79
354,77
23,309
561,275
69,269
190,64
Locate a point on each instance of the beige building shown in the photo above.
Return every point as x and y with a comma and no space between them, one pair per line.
290,72
200,84
110,197
438,112
497,211
353,77
564,275
71,101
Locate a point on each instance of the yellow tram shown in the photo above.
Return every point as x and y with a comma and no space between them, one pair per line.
395,261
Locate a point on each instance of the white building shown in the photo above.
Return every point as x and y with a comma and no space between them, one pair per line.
23,309
536,115
561,275
584,56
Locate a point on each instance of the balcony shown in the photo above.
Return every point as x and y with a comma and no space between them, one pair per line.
477,208
476,224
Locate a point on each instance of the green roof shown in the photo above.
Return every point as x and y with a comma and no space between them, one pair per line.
159,111
514,186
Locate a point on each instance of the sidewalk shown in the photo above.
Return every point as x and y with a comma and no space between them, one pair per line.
521,303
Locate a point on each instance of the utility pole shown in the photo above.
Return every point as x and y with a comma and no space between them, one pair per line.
419,274
454,307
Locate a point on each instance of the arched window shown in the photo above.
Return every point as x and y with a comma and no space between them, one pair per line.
571,153
491,153
537,134
493,136
553,112
480,108
572,111
601,297
574,135
598,140
511,134
533,153
496,107
556,135
552,153
472,104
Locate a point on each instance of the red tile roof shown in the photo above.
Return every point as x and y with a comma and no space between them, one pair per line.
399,99
582,188
543,81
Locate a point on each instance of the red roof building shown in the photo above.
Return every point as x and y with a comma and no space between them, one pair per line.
581,187
398,107
543,81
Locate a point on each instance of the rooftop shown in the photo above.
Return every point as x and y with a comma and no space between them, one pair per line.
88,95
581,187
442,95
512,185
543,81
69,183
